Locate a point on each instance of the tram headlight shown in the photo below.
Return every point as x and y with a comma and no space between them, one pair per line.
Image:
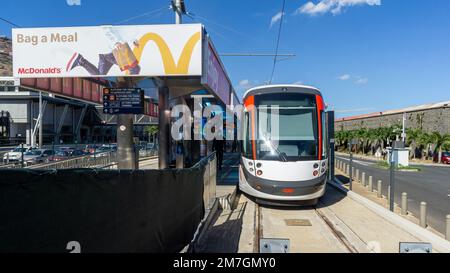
316,165
258,165
315,173
259,172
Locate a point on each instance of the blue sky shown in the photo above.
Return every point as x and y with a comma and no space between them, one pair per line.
373,55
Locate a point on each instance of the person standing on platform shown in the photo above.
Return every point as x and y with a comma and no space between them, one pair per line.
218,147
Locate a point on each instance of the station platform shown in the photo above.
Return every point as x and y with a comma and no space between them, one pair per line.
342,222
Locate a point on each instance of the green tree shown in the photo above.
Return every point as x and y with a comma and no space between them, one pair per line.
151,130
412,138
424,140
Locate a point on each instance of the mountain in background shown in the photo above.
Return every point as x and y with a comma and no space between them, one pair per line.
5,57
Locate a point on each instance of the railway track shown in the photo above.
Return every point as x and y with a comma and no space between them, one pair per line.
312,221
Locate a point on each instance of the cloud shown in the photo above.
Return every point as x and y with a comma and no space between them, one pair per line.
276,18
343,111
344,77
73,2
362,81
332,6
246,84
357,79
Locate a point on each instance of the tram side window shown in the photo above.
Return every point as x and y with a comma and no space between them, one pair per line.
246,140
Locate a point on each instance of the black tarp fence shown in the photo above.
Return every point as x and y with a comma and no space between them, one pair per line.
101,210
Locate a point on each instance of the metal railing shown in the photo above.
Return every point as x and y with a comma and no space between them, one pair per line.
101,160
209,179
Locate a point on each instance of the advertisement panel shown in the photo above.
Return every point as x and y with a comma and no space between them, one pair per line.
216,78
108,51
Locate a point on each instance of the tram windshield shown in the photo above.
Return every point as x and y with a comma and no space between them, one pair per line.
286,127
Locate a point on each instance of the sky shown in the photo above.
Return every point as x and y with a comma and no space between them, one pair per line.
364,55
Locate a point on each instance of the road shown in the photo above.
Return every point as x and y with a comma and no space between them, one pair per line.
431,184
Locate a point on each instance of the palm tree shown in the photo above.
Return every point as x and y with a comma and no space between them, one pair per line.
439,140
151,130
424,141
412,139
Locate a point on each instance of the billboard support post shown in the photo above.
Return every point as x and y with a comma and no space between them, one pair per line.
126,153
163,123
40,121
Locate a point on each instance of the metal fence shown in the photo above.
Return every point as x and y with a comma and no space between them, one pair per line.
209,180
103,160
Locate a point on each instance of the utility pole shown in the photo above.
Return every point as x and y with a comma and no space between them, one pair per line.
392,179
403,129
163,101
41,119
126,148
179,9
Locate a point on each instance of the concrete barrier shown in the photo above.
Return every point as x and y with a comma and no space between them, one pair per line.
404,203
379,184
423,214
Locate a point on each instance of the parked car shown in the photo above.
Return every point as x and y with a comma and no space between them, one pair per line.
90,148
60,155
15,155
37,156
103,151
76,152
445,158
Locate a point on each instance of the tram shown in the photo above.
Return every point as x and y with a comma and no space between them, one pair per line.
284,154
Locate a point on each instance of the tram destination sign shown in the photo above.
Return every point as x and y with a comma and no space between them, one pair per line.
123,101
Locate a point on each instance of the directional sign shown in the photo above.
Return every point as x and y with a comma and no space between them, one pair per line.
123,101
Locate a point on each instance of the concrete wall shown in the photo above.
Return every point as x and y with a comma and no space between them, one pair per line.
430,120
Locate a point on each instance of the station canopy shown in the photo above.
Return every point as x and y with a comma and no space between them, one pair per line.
76,61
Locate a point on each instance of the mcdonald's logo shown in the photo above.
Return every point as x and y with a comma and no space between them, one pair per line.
170,67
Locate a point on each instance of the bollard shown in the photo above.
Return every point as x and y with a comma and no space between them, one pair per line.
447,227
379,184
423,214
353,173
363,179
389,194
404,203
357,176
370,184
347,169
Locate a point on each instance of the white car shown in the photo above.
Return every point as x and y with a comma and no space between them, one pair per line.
15,155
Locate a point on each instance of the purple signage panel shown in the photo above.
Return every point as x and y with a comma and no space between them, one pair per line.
216,78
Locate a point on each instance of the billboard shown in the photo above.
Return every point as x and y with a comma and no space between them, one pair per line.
108,51
216,78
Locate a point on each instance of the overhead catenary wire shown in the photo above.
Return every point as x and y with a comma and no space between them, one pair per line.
9,22
148,13
278,42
